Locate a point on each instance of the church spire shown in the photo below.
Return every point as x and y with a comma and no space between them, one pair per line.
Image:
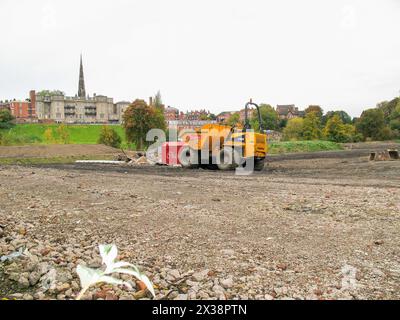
81,89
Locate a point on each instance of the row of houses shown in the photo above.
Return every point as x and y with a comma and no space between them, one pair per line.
99,109
285,112
56,107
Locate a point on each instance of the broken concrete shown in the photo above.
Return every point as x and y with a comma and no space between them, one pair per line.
387,155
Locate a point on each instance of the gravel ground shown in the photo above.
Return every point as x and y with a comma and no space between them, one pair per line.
302,229
56,150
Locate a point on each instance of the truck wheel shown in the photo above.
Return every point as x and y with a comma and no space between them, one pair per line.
189,158
259,164
228,159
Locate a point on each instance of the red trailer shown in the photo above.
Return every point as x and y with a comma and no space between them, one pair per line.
170,152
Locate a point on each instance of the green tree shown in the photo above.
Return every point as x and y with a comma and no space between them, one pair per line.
6,119
389,109
109,137
316,109
50,93
294,129
139,119
386,134
344,116
234,120
283,123
337,131
269,117
312,126
371,124
395,120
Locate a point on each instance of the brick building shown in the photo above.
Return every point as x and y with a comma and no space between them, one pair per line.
171,114
197,115
23,111
250,114
287,112
224,116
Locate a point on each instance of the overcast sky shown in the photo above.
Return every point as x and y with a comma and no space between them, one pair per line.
213,54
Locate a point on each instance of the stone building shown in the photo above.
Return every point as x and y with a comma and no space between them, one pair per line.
82,108
120,108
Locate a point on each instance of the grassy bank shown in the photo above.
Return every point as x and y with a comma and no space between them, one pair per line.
25,134
303,146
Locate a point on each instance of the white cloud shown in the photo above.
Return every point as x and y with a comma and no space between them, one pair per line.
211,54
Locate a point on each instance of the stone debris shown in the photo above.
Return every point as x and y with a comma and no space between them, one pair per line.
349,281
387,155
139,162
338,241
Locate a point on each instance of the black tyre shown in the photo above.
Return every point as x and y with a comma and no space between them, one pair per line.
189,158
259,164
228,159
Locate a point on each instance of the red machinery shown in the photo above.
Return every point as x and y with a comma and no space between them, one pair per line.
170,152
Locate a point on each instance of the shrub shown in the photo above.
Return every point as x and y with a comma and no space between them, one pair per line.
6,119
48,135
385,134
8,139
371,124
335,130
293,129
312,127
63,134
109,137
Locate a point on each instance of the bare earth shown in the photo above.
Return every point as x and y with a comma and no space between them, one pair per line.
57,150
303,229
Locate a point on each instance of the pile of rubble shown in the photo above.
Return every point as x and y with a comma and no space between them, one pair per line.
385,155
134,158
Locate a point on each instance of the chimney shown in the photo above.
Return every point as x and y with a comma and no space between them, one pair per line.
151,101
32,107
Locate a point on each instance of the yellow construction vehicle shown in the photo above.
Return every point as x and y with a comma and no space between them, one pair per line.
223,147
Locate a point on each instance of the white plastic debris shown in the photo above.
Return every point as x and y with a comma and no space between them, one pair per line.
100,162
13,255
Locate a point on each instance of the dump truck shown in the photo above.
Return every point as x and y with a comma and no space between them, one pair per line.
224,147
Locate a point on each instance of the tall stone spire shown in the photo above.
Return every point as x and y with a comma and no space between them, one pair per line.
81,89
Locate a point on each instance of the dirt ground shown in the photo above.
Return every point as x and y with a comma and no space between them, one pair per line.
319,228
56,150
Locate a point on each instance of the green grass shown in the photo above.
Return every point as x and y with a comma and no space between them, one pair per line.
303,146
26,134
52,160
